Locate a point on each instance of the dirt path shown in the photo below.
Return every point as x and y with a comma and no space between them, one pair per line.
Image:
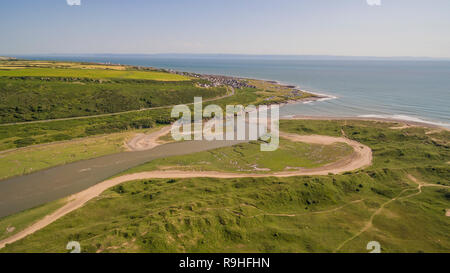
404,126
369,224
361,157
309,213
142,142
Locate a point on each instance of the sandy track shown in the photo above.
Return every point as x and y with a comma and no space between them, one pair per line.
361,157
142,142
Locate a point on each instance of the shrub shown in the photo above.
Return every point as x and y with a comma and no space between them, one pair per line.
22,142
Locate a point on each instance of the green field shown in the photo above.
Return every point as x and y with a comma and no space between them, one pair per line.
248,158
14,223
31,159
392,148
92,73
297,214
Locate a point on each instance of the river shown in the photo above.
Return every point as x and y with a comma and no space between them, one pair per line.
28,191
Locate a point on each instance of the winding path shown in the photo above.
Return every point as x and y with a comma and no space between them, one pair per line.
361,157
369,223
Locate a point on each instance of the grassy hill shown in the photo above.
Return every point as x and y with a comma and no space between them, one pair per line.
21,135
29,99
31,90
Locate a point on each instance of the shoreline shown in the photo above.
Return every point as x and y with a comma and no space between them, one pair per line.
388,120
293,87
299,88
316,97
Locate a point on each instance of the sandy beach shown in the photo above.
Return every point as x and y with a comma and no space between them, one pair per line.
404,123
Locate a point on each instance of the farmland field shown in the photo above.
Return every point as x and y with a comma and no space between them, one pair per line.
92,73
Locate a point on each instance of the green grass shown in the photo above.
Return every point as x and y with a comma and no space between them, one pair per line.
237,215
296,214
33,98
92,73
395,149
210,215
30,99
247,157
274,93
12,224
415,224
20,135
31,159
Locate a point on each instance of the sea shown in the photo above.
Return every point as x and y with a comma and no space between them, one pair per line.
406,89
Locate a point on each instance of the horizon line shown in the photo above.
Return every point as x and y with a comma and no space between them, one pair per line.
233,54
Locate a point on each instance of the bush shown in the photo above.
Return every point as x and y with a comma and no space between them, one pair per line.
22,142
142,123
60,137
163,120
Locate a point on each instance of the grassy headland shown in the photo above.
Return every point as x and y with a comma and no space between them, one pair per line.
41,93
28,97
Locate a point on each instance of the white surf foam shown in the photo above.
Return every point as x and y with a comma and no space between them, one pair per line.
406,118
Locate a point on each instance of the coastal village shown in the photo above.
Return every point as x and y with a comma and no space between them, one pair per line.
216,80
293,93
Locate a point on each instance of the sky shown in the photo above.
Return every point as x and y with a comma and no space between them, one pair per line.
417,28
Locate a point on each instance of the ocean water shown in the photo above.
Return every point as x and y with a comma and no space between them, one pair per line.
407,90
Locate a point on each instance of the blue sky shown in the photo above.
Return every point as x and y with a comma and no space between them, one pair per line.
314,27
